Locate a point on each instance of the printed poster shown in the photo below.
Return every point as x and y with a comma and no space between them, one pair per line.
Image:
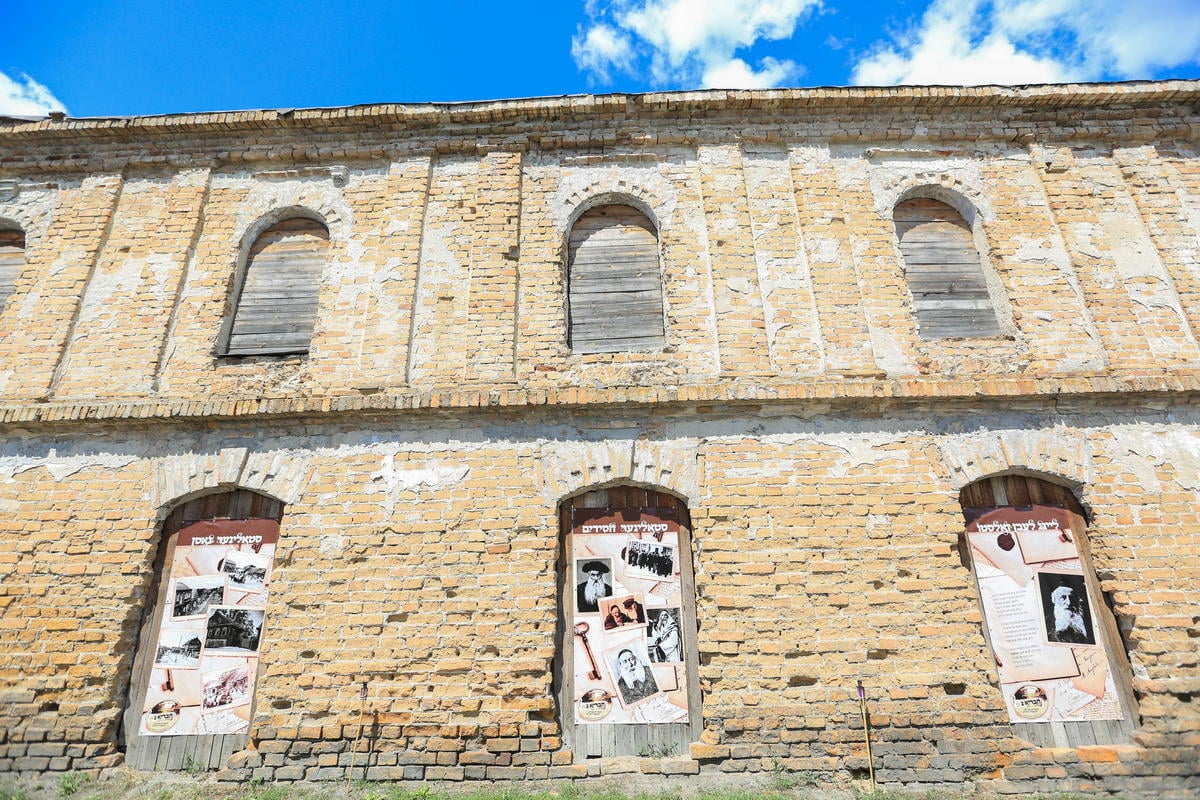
629,657
208,643
1050,659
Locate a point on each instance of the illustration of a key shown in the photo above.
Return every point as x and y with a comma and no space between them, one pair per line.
581,630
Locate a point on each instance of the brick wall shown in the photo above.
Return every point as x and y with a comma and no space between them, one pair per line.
424,443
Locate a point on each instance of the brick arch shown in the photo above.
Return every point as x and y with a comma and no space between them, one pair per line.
643,189
965,196
16,216
1057,455
190,475
951,195
670,467
274,217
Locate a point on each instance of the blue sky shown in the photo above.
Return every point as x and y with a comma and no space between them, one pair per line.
122,57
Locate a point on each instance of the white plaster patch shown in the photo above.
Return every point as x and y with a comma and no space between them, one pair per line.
1144,451
1032,250
61,467
824,251
861,451
407,480
890,354
332,544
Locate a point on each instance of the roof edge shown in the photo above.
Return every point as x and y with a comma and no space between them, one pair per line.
1065,94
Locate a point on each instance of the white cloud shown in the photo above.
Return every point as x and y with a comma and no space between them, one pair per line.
600,48
690,43
737,74
25,97
1035,41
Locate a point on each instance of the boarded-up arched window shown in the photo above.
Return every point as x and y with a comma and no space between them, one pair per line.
944,273
12,261
1061,666
614,288
277,305
627,666
191,692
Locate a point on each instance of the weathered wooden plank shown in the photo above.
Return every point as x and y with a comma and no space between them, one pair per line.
613,273
943,270
12,261
277,305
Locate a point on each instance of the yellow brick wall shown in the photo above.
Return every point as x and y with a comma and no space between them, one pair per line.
423,445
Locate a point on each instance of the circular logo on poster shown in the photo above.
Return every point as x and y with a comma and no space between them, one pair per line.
1030,701
162,716
595,705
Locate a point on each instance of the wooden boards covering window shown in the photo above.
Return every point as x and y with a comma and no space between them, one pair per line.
614,287
1023,491
277,306
941,264
198,752
12,261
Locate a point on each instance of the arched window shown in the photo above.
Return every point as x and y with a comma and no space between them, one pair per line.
944,273
276,306
1061,666
12,261
614,287
626,674
191,692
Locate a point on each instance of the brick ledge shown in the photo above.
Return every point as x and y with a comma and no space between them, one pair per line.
736,392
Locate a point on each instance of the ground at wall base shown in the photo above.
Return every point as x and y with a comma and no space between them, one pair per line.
120,783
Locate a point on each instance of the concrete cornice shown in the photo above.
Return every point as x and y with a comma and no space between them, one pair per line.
654,104
865,394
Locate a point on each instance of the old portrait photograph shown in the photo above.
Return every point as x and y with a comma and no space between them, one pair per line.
664,638
649,559
593,583
178,648
624,611
225,688
629,666
1066,613
246,571
192,597
233,631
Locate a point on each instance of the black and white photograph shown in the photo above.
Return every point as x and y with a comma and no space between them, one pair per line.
664,639
246,571
178,649
193,596
1066,613
630,669
217,722
233,631
593,583
649,559
626,611
225,688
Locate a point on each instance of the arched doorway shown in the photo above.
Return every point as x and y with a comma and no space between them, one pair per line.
1061,665
626,675
192,683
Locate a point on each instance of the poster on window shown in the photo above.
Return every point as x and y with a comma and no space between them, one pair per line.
207,645
628,617
1039,615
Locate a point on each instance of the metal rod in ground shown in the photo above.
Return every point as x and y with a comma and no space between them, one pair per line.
862,706
362,715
